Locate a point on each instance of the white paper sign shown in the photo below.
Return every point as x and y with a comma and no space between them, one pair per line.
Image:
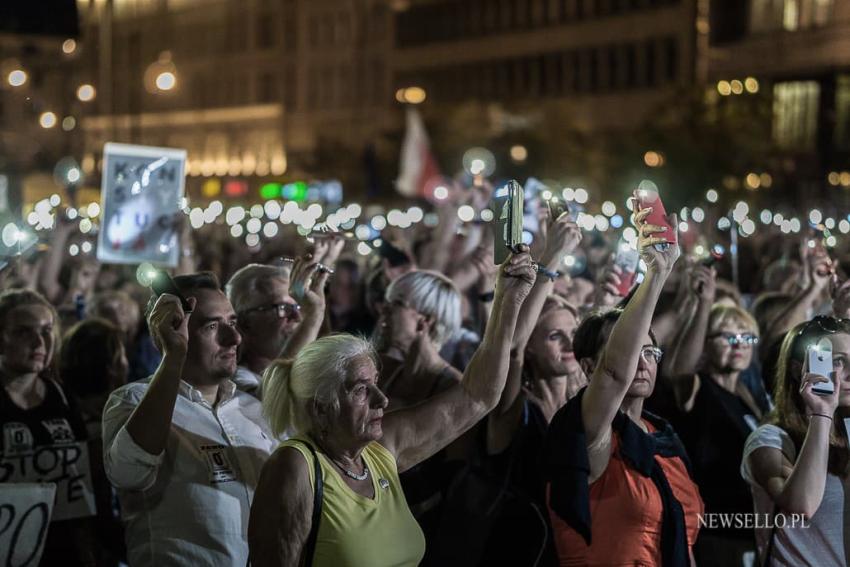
66,466
25,513
141,192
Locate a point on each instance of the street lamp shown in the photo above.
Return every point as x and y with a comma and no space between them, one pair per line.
161,75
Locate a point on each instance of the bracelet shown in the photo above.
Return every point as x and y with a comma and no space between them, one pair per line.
486,297
829,417
548,273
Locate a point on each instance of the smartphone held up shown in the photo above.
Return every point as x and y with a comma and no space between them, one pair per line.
646,197
161,283
819,358
507,234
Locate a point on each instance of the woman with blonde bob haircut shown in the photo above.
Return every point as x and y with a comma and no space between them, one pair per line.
797,463
331,495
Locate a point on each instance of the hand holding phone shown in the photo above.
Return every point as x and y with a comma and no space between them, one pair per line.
646,198
162,283
626,259
508,206
819,358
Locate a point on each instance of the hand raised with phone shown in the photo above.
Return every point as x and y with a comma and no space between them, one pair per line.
650,235
818,379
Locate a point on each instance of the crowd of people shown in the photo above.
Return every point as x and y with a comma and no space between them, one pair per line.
421,405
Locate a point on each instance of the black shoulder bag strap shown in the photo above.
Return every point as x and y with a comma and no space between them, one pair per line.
310,545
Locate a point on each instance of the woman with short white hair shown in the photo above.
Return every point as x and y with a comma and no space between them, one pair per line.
330,495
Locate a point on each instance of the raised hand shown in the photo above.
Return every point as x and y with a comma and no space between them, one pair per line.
820,269
840,299
307,285
562,237
824,404
169,325
658,261
702,283
327,249
516,276
608,289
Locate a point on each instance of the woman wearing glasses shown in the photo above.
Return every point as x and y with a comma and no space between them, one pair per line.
715,410
797,463
619,491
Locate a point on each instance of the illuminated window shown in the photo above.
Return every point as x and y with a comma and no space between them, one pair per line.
789,15
842,112
795,114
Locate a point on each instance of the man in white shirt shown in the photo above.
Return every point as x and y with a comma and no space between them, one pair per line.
184,448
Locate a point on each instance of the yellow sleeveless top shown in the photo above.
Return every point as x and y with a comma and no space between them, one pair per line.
356,531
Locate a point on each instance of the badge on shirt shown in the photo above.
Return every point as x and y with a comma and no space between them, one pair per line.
60,430
17,439
220,467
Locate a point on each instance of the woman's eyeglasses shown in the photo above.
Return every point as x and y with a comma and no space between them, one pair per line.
735,339
652,353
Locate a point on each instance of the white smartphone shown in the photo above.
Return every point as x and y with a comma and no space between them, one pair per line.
820,362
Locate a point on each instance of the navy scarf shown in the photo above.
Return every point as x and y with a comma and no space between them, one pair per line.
567,468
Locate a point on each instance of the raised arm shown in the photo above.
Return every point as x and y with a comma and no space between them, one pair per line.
683,358
798,488
618,361
820,272
48,279
307,285
413,434
282,510
562,237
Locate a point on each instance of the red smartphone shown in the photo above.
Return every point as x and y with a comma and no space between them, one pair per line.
645,198
627,259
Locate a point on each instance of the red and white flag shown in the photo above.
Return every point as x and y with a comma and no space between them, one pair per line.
418,169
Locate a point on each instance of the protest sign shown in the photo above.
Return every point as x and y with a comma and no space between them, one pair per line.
141,192
25,513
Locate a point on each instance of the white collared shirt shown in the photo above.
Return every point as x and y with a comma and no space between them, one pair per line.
189,505
249,381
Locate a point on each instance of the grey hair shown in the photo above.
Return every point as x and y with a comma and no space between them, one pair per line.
432,294
294,389
245,281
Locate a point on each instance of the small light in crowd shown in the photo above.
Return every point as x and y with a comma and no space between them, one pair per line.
477,166
93,210
196,217
400,95
748,227
252,240
778,219
831,241
753,181
272,209
354,210
17,78
844,226
568,194
69,123
73,175
724,88
751,84
431,220
829,223
581,196
257,211
766,216
711,196
254,225
519,153
72,214
86,226
415,214
364,249
785,227
736,86
698,214
86,247
379,222
47,120
32,218
546,195
609,209
629,234
363,232
616,221
834,178
69,46
394,217
55,200
441,193
569,260
73,250
683,226
766,180
415,95
236,230
844,178
653,159
466,213
601,223
10,234
699,250
270,229
815,216
86,92
585,221
486,215
527,237
234,215
795,225
723,223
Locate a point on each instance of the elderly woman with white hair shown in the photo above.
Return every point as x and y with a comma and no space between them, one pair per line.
330,495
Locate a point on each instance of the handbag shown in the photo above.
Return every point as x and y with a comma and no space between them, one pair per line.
310,544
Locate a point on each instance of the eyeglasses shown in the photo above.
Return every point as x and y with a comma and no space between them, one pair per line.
284,310
652,353
735,339
829,325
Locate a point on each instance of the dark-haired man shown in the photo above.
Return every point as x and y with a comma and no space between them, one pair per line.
184,448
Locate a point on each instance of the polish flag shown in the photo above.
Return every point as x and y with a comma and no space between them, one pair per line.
418,170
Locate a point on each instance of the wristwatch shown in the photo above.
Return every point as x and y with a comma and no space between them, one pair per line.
541,269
